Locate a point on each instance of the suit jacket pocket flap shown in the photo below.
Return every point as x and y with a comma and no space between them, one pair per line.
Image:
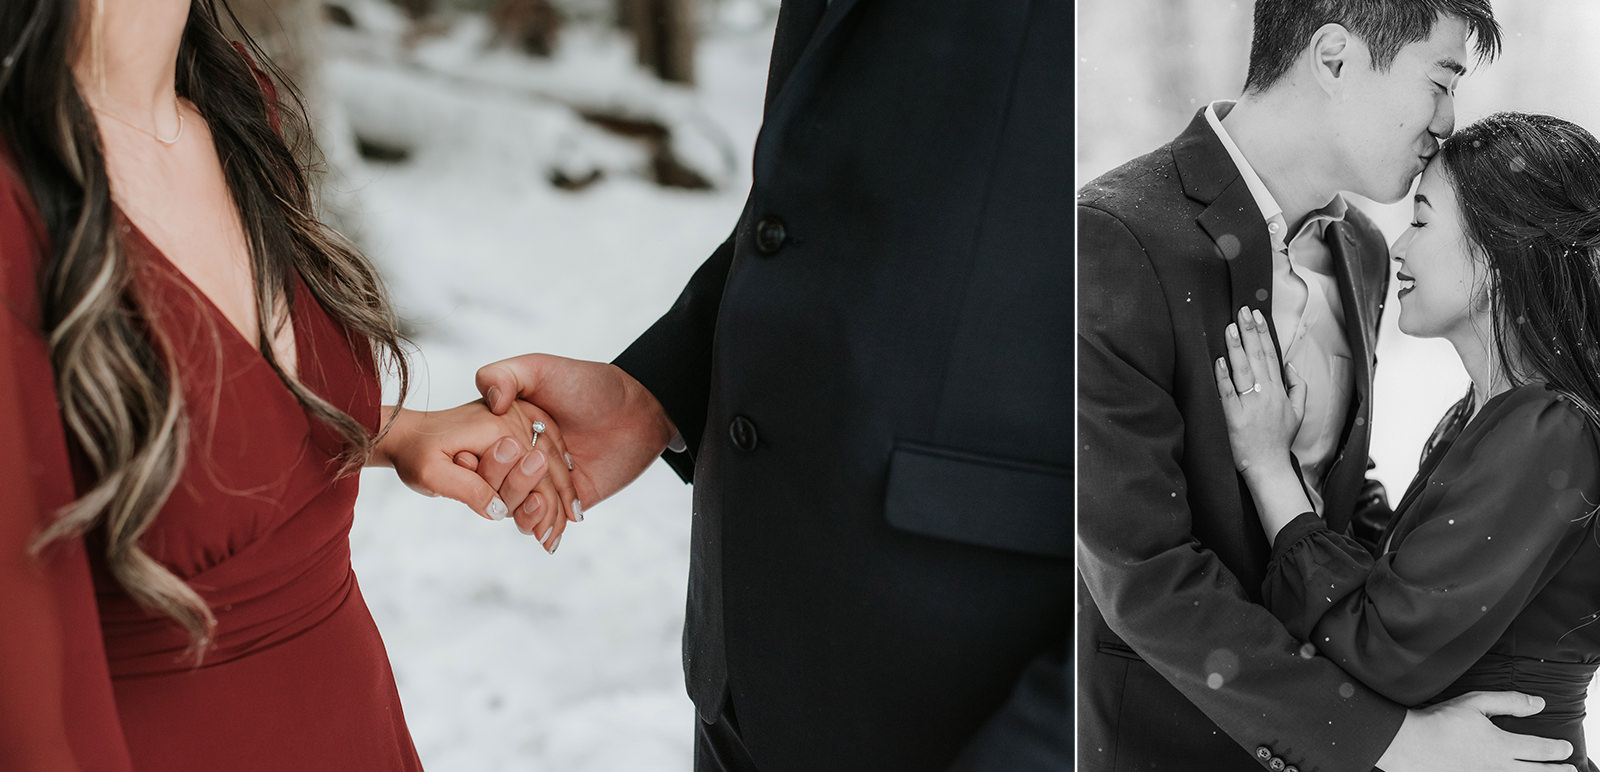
981,500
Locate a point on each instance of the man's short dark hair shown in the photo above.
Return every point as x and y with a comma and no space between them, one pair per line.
1284,27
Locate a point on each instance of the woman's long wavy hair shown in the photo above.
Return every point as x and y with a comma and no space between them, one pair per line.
116,382
1529,191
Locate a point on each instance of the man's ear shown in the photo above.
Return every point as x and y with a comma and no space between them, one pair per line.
1332,49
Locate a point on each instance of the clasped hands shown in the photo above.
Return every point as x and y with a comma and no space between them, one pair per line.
602,429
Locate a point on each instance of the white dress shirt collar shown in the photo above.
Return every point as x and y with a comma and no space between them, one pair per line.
1333,211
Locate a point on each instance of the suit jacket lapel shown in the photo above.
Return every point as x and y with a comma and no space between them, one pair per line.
1345,475
837,9
1358,328
1232,219
1239,238
804,26
1239,234
797,24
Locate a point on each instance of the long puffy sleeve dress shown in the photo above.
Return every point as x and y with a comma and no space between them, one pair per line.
1487,580
258,524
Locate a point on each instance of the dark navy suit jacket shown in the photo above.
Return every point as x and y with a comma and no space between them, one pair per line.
874,379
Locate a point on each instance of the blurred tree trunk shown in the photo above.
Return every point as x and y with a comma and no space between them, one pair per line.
416,9
530,25
665,30
290,32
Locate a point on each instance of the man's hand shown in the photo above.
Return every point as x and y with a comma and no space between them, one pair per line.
1457,736
609,424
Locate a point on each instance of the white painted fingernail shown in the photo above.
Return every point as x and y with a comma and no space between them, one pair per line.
1261,320
533,463
554,546
577,511
497,509
545,538
569,461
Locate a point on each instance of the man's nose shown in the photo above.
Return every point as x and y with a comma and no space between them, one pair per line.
1444,120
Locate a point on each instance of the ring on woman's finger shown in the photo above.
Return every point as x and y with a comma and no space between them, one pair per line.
1251,390
538,429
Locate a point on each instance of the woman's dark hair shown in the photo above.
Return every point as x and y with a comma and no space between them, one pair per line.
117,385
1283,28
1529,191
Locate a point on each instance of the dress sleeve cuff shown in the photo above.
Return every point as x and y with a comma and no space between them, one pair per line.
1302,527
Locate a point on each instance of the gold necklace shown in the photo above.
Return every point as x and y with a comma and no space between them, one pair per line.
142,130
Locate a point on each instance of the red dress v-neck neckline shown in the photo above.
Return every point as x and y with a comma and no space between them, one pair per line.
212,309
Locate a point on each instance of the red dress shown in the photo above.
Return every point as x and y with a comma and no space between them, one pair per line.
258,524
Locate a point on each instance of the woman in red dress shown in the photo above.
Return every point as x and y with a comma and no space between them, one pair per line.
189,378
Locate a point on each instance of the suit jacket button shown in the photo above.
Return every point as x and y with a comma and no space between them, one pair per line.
743,433
770,235
1291,768
1263,753
1277,765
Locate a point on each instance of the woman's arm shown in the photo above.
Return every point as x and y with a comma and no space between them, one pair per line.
1498,516
33,720
56,705
1477,543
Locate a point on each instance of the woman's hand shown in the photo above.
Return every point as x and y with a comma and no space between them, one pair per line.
422,447
1263,417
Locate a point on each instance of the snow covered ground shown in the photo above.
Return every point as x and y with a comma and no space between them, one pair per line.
508,658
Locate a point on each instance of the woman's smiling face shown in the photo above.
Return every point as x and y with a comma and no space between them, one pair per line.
1443,279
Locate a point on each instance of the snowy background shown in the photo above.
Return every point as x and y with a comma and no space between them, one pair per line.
508,658
1146,66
